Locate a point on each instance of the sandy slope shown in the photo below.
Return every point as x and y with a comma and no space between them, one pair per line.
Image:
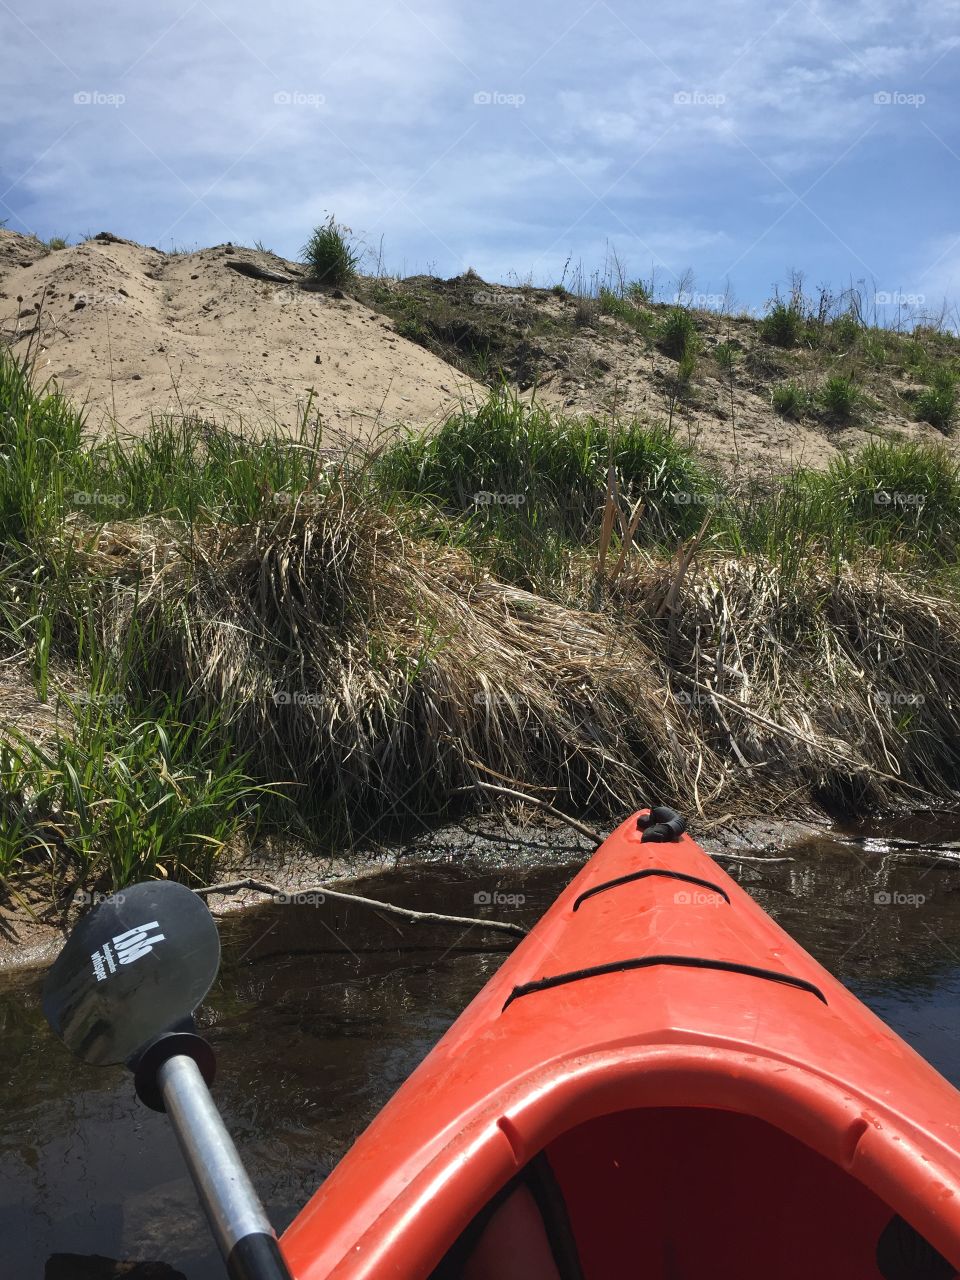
133,331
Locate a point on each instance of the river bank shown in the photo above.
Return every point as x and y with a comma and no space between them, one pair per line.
506,851
255,646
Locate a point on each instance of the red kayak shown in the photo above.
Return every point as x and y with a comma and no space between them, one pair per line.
658,1083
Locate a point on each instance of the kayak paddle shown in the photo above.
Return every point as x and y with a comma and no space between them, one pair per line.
124,989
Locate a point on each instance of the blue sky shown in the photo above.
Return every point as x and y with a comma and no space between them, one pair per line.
736,140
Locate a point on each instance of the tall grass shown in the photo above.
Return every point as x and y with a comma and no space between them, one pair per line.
117,799
512,467
329,254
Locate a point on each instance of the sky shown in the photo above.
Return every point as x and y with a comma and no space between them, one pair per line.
713,147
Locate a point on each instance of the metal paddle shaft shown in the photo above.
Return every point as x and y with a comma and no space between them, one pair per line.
124,989
237,1218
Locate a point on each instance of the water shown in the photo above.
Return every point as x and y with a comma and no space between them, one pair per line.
312,1038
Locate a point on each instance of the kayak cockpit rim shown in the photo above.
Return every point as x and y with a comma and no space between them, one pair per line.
862,1136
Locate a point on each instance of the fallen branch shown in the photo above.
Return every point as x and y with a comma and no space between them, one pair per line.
581,827
353,899
742,857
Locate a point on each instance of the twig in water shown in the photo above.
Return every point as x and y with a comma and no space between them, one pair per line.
353,899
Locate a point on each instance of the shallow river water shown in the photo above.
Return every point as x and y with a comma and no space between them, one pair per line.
312,1037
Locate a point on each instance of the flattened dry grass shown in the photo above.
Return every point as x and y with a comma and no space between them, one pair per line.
379,676
835,689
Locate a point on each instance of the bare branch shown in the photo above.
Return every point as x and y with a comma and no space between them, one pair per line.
353,899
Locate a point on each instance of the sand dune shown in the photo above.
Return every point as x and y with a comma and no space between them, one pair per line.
132,332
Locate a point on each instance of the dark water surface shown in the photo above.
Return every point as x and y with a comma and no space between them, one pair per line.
313,1037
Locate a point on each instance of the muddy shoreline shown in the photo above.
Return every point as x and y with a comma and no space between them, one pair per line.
32,935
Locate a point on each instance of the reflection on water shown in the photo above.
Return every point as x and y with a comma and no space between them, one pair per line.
312,1038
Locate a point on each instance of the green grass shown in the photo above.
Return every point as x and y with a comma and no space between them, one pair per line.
937,403
727,356
625,309
638,292
840,397
789,399
546,474
844,331
40,443
783,325
900,498
677,334
329,254
121,799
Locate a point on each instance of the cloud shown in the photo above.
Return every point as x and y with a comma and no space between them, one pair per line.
535,129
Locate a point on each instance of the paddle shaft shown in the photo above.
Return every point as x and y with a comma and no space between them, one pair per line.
237,1219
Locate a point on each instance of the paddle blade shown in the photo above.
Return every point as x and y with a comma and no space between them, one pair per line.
137,965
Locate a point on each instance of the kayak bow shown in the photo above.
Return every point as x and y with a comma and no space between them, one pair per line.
658,1082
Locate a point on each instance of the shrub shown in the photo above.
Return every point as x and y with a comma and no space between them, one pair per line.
637,292
840,397
587,312
844,331
611,304
726,356
678,333
783,325
789,399
937,405
329,255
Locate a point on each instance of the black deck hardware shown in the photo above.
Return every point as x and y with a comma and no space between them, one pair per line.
646,962
661,824
642,875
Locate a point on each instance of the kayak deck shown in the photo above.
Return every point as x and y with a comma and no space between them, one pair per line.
658,1082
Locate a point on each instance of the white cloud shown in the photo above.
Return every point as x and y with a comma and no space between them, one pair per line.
383,105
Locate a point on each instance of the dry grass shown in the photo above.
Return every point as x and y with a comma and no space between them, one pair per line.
379,674
836,689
